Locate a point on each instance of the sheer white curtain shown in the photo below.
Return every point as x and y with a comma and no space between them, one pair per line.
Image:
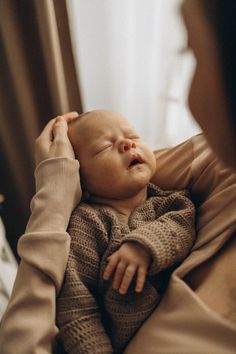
126,61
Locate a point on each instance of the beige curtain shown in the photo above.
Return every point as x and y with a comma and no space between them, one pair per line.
38,81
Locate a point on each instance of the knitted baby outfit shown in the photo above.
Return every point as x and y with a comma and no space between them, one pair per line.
94,318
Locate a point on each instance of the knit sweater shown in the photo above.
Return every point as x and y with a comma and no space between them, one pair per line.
94,318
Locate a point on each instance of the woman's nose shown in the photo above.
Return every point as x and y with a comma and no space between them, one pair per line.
126,145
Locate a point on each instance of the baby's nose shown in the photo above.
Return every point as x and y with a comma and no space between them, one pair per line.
126,145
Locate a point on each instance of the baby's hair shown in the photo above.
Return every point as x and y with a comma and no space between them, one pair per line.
83,115
80,117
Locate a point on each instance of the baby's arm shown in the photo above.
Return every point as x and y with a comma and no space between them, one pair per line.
78,314
170,237
160,243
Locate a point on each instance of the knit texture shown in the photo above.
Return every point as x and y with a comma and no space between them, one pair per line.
94,318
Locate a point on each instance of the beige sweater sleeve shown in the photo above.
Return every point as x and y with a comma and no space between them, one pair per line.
28,325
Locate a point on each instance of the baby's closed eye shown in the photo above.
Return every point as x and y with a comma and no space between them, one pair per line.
104,147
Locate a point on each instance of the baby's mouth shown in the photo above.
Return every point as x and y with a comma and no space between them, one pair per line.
136,160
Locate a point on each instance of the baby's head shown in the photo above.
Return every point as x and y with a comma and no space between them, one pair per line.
114,161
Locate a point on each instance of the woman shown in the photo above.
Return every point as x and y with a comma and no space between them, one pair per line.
29,324
197,313
211,32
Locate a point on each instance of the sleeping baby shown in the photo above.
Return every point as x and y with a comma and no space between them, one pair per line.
126,237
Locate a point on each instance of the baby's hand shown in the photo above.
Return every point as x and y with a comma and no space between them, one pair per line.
131,259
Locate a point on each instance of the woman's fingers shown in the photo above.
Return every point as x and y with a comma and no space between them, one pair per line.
46,133
54,141
60,129
43,142
61,145
70,116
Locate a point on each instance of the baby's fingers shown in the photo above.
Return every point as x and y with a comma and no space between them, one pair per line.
112,263
141,276
127,278
120,269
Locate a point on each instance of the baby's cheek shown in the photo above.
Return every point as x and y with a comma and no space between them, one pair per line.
151,160
111,165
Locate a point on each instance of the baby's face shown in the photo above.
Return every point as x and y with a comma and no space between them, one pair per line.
114,161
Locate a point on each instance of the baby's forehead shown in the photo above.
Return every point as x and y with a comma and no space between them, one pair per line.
100,121
105,117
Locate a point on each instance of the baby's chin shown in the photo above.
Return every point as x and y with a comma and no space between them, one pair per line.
123,194
142,179
131,191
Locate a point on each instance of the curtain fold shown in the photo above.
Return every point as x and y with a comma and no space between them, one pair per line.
38,82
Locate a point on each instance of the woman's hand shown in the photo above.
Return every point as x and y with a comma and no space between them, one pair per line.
131,259
54,141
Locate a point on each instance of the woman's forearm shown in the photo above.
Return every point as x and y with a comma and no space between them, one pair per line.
28,325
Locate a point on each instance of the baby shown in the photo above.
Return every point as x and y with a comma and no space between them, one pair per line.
127,230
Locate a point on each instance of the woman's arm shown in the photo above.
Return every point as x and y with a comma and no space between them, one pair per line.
28,325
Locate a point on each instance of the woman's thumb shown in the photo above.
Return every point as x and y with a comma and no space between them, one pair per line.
60,128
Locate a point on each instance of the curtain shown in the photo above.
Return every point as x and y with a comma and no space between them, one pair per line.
127,52
38,82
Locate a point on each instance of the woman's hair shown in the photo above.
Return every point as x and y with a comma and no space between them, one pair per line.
221,15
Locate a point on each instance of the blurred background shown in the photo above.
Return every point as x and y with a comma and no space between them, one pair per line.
56,56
